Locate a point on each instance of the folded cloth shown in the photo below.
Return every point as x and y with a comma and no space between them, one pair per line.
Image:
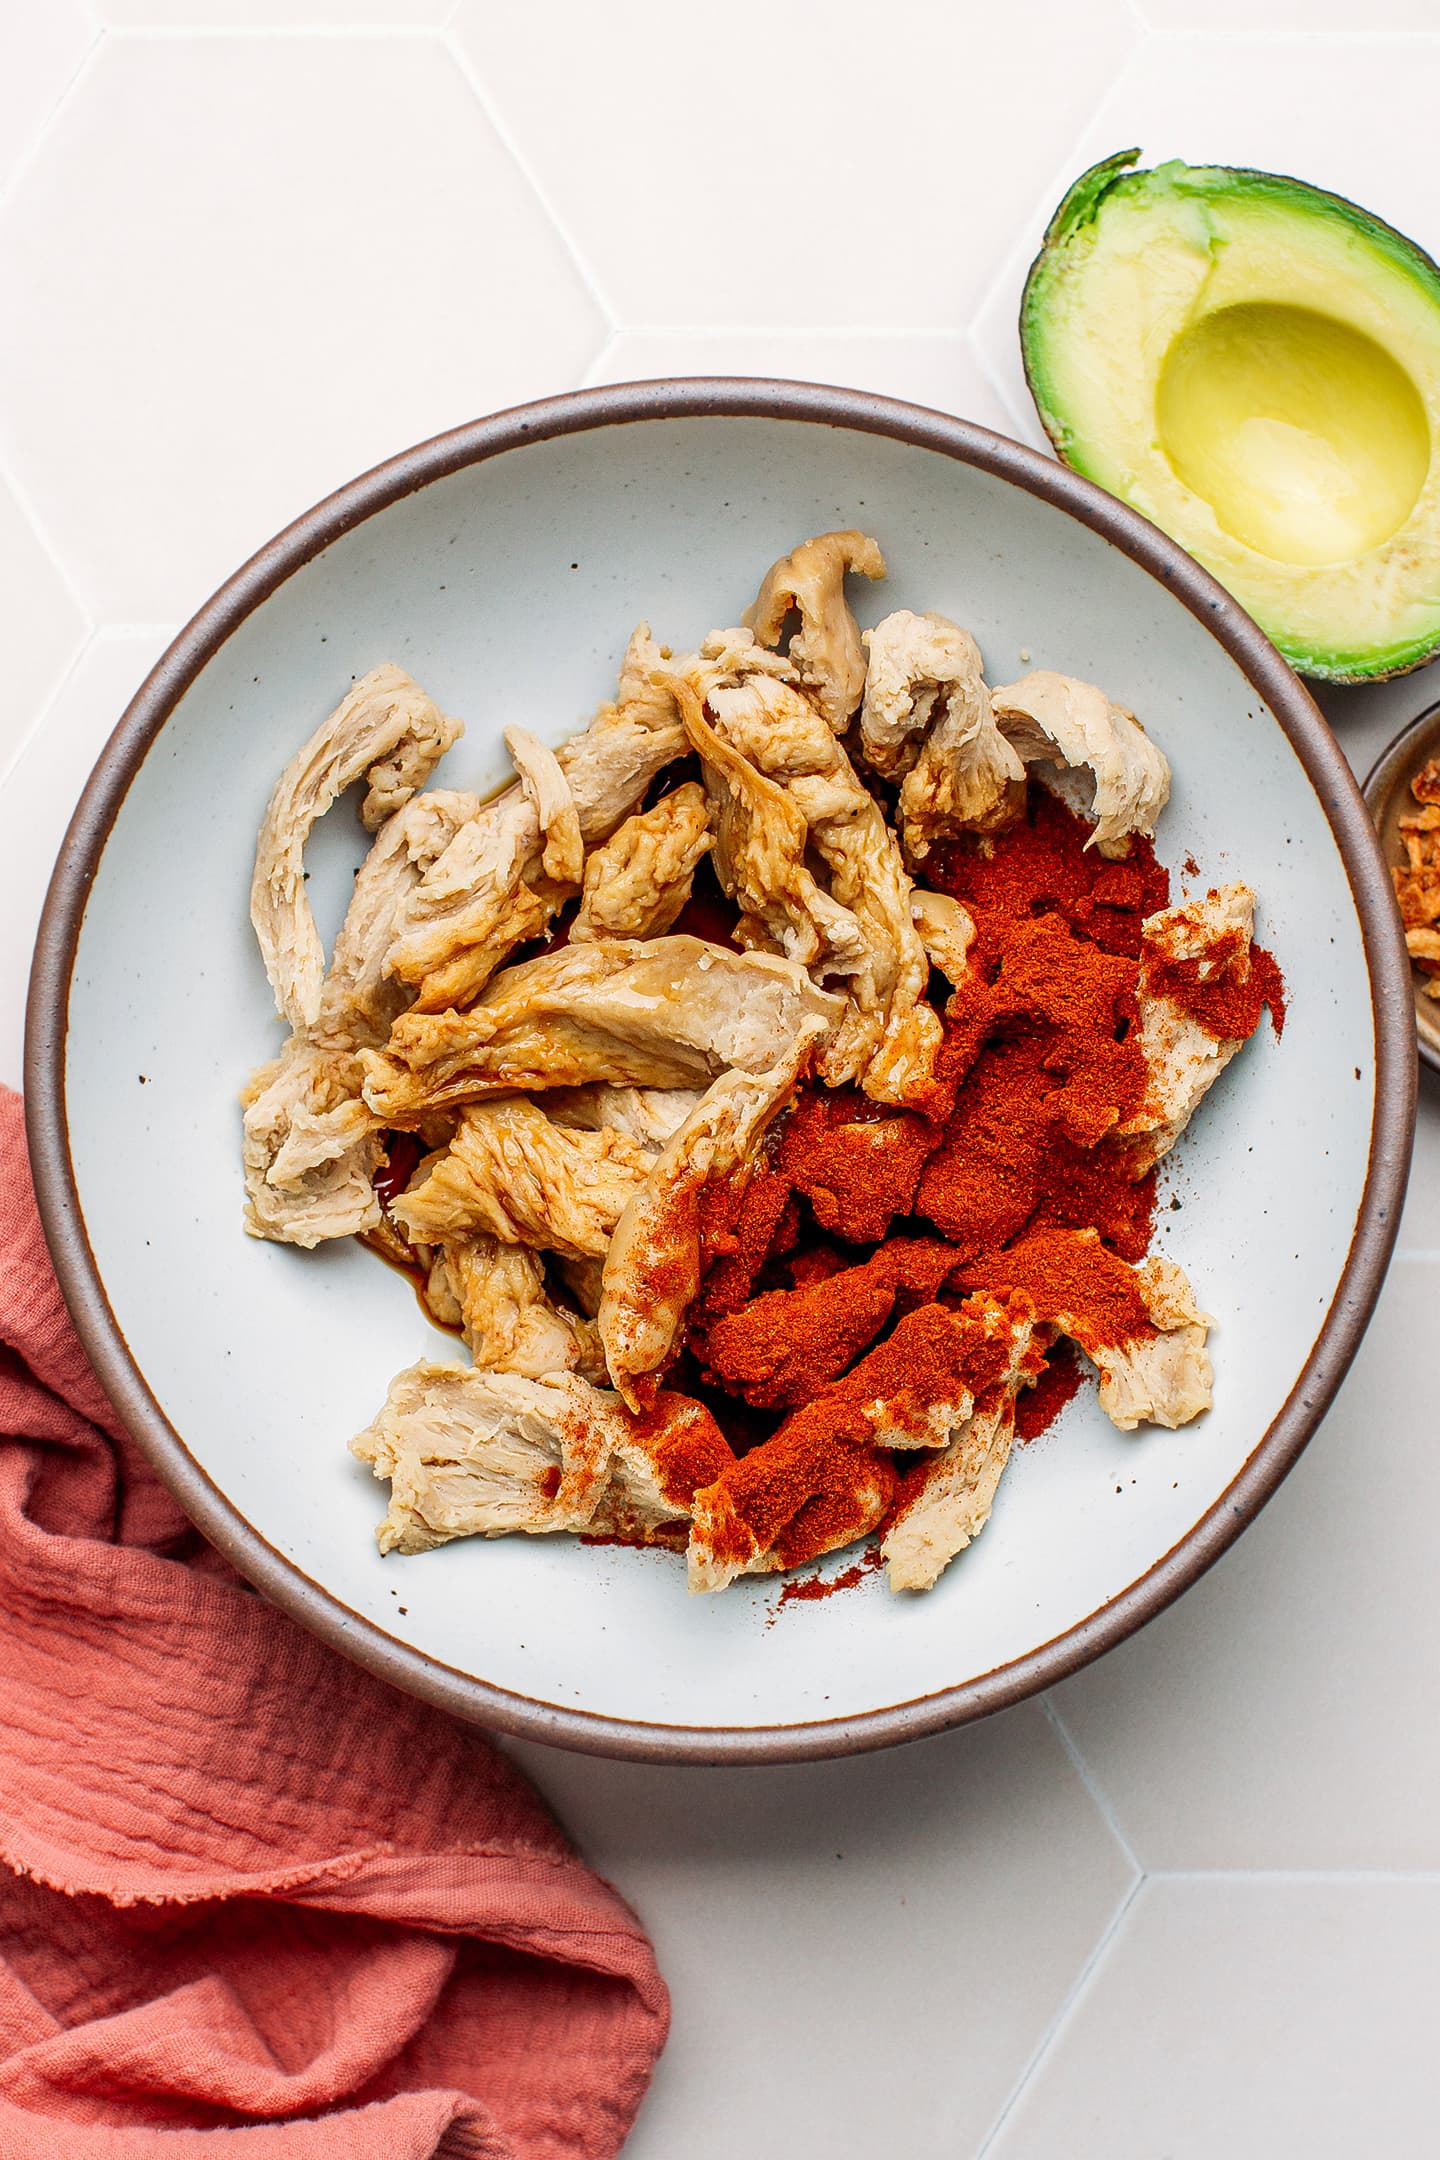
253,1903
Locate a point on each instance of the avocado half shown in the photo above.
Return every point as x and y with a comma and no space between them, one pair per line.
1255,365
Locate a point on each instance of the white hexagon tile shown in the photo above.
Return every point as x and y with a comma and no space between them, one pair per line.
274,14
285,258
1272,1718
41,47
1247,2021
781,166
1340,17
42,787
41,624
926,367
1189,1906
903,1928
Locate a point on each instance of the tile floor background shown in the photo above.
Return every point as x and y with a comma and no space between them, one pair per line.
1190,1904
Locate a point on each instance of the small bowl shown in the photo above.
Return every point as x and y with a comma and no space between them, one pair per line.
505,565
1388,797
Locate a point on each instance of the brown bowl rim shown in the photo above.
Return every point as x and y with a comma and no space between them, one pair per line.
627,404
1378,789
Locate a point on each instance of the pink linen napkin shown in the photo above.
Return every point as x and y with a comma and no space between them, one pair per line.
252,1902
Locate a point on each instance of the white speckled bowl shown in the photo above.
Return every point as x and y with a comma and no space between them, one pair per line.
505,565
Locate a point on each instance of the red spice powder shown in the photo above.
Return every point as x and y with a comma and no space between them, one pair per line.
784,1346
739,1231
817,1473
810,1589
855,1496
1228,1000
685,1444
1069,1276
1042,866
1038,1407
816,1263
856,1162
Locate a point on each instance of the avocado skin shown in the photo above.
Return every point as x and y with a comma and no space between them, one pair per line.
1080,206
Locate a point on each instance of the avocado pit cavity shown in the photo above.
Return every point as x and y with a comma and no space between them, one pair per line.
1308,440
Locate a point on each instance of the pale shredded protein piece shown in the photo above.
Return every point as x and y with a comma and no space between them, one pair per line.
308,1146
953,1506
1164,1379
652,1269
961,775
1183,1057
927,722
666,1012
914,660
761,837
637,881
1053,719
304,1087
949,1502
496,1295
947,931
360,1000
384,713
470,1453
649,1115
765,742
543,782
512,1173
890,1036
490,891
825,651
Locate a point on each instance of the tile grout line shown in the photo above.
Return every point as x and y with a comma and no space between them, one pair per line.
454,45
1055,190
1089,1973
1301,1878
587,380
777,330
96,634
991,378
1098,1797
1078,1988
1294,37
28,158
1065,173
47,706
288,33
39,532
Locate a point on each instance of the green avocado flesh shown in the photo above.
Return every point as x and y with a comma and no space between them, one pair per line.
1255,365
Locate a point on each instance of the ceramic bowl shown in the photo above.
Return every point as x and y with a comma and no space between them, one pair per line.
1387,793
505,565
